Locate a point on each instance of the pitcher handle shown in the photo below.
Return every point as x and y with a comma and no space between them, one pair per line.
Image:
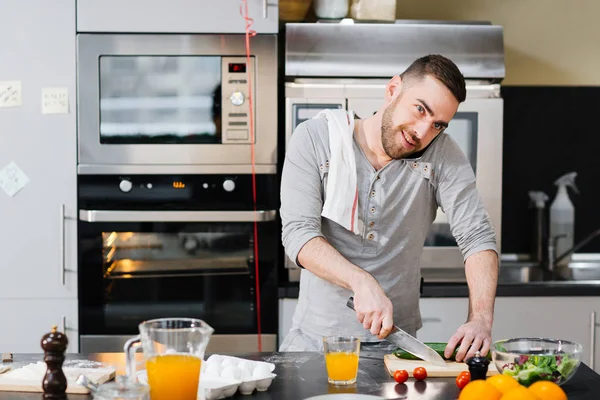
130,348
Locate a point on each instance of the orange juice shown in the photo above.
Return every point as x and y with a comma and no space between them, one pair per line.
341,366
173,376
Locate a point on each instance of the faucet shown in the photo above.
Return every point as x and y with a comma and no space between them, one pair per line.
553,259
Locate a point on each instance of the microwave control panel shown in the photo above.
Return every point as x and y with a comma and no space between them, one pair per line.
235,104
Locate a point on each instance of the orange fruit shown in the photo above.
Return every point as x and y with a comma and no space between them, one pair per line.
503,382
520,393
479,390
548,390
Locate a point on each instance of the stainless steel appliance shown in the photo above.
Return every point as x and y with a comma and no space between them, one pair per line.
154,246
347,65
175,103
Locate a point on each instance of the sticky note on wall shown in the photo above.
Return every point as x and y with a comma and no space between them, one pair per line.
12,179
55,100
10,93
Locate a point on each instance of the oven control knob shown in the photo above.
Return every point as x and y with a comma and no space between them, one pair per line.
229,185
237,98
125,185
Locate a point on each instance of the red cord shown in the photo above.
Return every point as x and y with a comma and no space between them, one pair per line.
249,33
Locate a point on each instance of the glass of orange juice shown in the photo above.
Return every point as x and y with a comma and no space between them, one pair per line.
174,349
341,359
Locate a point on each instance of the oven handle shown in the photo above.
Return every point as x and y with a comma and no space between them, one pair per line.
176,216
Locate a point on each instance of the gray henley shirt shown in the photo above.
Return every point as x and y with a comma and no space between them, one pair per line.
396,206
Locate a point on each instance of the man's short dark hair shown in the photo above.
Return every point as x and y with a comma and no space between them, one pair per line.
441,68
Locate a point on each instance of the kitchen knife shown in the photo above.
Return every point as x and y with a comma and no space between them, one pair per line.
409,343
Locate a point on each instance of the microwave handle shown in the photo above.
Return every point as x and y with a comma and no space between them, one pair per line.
265,6
176,216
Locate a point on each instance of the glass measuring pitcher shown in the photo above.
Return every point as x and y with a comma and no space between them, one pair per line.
174,349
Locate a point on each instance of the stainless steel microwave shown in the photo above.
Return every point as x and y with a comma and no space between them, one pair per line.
160,103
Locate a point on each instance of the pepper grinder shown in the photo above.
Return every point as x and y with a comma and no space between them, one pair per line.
55,383
478,366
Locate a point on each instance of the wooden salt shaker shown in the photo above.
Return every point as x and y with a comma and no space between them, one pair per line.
55,383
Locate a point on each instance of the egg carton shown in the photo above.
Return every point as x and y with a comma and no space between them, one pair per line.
223,376
250,374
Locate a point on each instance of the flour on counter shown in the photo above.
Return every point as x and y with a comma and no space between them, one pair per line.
36,371
294,360
84,364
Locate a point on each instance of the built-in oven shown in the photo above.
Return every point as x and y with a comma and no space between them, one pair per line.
321,72
153,246
175,103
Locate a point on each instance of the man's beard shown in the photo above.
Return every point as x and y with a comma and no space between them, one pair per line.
390,140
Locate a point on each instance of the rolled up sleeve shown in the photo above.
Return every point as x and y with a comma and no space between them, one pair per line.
459,198
301,193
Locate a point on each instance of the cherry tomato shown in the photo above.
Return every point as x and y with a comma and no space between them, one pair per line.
462,379
400,375
420,373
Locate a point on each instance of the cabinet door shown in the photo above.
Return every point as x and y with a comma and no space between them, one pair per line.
175,16
38,235
441,318
566,318
286,314
26,321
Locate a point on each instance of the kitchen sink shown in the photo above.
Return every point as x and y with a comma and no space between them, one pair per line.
510,272
515,272
581,271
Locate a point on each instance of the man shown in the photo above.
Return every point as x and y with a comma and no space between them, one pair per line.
405,168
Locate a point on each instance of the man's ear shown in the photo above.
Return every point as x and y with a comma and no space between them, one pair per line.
393,88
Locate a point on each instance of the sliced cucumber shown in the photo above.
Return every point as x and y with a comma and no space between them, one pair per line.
436,346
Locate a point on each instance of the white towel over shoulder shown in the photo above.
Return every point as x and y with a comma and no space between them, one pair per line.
341,200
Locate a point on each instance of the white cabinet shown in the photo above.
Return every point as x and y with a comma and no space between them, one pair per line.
565,318
286,314
557,317
26,321
38,239
175,16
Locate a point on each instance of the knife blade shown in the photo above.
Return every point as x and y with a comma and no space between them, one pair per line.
409,343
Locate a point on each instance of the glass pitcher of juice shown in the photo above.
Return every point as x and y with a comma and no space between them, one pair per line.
174,349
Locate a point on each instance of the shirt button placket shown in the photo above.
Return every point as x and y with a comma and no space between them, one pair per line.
371,236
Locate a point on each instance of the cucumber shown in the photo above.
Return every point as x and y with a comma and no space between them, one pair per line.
437,347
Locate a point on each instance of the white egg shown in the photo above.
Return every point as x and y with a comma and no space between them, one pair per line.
246,365
213,369
261,371
231,371
215,358
228,361
246,374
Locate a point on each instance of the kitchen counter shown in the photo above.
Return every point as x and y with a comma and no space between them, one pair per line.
460,289
302,375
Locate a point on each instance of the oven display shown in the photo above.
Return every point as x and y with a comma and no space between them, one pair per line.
237,67
178,185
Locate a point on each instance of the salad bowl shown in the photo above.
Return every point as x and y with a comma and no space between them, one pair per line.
533,359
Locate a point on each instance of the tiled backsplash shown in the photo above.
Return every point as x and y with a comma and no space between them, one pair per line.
549,131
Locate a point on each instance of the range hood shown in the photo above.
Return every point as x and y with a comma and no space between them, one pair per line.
349,49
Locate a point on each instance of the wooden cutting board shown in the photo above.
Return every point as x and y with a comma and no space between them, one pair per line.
452,369
29,378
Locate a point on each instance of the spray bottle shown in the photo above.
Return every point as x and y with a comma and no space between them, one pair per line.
540,244
562,217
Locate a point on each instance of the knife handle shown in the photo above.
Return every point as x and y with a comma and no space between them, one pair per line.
350,303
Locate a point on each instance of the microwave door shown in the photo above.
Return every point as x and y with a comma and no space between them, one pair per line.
302,109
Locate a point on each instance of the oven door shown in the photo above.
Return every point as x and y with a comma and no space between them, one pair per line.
140,265
477,128
154,102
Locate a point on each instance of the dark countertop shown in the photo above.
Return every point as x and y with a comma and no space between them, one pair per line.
302,375
460,289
